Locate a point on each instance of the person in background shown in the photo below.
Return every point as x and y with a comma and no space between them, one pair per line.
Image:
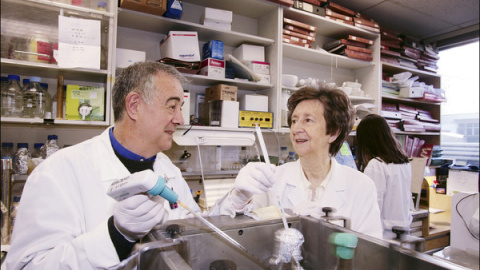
319,122
66,220
380,156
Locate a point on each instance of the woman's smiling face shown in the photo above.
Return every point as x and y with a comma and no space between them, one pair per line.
308,131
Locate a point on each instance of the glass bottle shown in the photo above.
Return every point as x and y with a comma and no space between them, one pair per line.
7,150
25,83
47,102
291,157
12,97
33,97
283,155
20,160
218,158
50,146
37,151
4,81
243,155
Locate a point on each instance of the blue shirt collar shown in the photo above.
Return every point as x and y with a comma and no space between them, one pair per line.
124,152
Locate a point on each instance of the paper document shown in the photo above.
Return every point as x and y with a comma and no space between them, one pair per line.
78,43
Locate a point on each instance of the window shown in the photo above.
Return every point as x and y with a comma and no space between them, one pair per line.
459,68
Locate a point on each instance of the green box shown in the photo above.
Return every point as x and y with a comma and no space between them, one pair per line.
85,103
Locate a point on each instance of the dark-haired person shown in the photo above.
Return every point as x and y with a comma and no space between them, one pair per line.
380,156
319,122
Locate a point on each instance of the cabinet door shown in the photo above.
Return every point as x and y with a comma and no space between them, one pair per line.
29,24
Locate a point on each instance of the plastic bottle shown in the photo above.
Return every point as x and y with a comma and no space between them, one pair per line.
50,146
13,211
33,97
291,157
283,155
47,102
243,156
12,97
7,150
20,159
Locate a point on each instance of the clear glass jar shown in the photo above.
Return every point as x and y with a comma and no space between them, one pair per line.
283,155
40,48
33,99
291,157
7,150
12,98
47,102
243,156
20,160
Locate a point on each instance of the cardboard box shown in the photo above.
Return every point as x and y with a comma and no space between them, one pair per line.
218,25
258,67
186,107
221,92
213,49
217,15
246,52
88,100
213,68
181,45
257,103
127,57
155,7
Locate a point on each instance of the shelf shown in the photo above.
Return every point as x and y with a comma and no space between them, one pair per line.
408,100
398,69
56,122
417,133
161,25
27,68
60,7
323,57
327,27
241,84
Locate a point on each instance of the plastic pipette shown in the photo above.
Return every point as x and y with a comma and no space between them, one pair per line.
267,160
224,235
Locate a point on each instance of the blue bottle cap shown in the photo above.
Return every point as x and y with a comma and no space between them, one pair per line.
26,81
44,85
4,79
52,137
14,77
7,144
35,79
283,148
161,189
37,145
22,145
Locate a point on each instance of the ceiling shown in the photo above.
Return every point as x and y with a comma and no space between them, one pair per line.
446,22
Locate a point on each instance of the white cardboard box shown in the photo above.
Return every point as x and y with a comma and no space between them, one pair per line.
258,67
218,15
218,25
257,103
213,68
181,45
230,110
127,57
246,52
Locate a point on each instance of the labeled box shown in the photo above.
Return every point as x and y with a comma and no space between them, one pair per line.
127,57
221,92
218,25
257,103
213,68
213,49
181,45
217,15
85,103
246,52
258,67
155,7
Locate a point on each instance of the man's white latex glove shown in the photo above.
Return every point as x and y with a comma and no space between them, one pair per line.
135,216
308,208
254,178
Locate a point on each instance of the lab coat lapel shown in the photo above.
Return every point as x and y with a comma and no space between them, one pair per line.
334,195
293,185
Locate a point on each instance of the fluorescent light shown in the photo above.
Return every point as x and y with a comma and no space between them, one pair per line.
209,137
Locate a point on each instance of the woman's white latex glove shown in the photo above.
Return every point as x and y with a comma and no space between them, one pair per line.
308,208
254,178
135,216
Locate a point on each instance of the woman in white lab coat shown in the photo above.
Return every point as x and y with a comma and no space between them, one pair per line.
319,122
380,156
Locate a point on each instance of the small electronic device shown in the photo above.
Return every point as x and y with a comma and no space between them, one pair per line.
249,118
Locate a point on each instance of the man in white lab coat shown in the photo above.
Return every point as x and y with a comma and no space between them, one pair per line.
319,122
66,220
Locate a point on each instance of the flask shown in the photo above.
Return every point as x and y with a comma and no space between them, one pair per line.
50,146
12,97
20,159
283,155
291,157
47,102
33,96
